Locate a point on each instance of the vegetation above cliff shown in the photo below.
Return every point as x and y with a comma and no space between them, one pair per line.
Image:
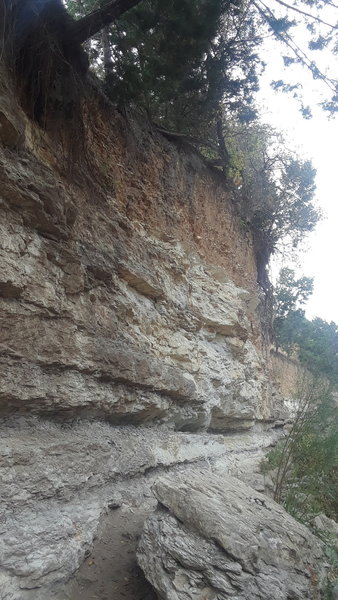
193,67
189,62
274,189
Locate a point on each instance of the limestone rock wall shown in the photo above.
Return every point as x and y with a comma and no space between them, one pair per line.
289,375
130,343
127,286
59,482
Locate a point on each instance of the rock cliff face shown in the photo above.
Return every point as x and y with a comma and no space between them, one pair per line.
134,301
130,341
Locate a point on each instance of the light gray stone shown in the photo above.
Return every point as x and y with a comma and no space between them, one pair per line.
128,298
215,537
57,480
84,331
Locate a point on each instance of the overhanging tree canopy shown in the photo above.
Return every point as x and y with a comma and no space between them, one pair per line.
175,58
276,18
192,65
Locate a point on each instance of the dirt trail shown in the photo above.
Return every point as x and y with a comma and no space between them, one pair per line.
111,571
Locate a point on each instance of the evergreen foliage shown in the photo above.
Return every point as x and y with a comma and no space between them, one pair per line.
277,188
184,62
315,343
274,190
194,58
290,293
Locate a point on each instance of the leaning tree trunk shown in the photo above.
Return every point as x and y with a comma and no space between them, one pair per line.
82,30
43,45
38,51
107,53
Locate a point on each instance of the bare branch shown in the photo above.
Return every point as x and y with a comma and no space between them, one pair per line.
187,138
297,51
306,14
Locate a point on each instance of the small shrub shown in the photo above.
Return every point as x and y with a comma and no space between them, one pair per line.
304,468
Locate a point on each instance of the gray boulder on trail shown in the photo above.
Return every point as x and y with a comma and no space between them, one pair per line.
214,538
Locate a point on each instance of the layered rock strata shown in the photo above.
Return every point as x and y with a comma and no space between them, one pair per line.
127,292
58,481
129,334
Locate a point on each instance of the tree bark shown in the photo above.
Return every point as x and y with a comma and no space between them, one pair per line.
83,29
107,54
221,143
86,45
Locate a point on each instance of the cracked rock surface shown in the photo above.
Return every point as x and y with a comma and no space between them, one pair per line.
131,335
61,481
213,537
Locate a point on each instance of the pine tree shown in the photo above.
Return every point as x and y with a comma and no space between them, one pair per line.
184,63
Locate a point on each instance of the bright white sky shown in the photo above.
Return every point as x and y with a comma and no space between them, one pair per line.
316,139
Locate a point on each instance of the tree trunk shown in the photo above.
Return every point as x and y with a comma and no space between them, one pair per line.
42,44
86,45
107,55
221,143
83,29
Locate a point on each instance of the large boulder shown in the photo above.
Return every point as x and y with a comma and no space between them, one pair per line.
213,538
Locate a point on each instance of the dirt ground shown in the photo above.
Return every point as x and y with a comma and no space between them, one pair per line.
111,571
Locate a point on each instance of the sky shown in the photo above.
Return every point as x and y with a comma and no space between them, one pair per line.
316,139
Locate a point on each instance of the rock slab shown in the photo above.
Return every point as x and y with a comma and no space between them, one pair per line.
213,538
